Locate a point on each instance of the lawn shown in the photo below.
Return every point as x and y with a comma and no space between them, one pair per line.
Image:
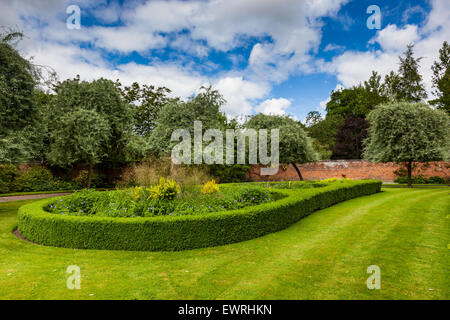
324,256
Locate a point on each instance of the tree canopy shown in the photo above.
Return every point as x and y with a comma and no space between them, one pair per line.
294,144
17,85
407,132
176,114
441,79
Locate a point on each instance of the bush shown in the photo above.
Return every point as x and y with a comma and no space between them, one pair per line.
164,190
422,180
183,232
210,187
229,173
97,180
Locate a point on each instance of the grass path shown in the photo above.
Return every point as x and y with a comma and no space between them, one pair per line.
324,256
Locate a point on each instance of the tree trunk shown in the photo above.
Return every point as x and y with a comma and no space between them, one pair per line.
409,173
91,167
298,171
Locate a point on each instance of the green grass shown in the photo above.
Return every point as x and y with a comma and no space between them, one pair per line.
324,256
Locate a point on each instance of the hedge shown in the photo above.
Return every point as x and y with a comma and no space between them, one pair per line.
183,232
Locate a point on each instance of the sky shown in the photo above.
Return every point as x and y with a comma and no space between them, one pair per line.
275,57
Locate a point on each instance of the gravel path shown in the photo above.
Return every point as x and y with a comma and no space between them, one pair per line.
32,196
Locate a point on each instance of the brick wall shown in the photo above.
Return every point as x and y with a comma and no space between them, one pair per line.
353,169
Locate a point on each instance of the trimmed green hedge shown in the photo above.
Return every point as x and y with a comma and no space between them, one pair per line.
185,232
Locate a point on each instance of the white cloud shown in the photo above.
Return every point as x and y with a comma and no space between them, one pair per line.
240,94
274,106
396,39
333,47
353,67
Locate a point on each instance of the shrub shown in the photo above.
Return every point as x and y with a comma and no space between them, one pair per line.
210,187
4,187
33,179
422,180
229,173
97,180
164,190
183,232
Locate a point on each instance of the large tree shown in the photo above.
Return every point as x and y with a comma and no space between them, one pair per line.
294,144
323,133
148,102
349,138
17,85
441,79
407,132
104,109
176,114
410,86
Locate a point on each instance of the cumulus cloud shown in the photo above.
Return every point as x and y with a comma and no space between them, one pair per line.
240,94
274,106
393,40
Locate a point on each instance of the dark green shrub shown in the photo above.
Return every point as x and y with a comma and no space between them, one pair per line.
229,173
183,232
8,173
422,180
38,179
4,187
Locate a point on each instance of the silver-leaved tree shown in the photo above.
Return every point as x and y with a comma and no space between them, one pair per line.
407,132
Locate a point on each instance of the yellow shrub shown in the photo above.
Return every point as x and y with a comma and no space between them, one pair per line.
210,187
165,189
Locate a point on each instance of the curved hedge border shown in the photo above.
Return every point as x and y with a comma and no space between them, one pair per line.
184,232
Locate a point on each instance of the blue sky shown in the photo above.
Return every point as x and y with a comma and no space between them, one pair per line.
280,57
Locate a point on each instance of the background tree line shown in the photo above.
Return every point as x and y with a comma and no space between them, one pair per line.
340,134
102,122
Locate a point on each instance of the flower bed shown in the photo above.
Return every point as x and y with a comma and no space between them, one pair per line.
169,233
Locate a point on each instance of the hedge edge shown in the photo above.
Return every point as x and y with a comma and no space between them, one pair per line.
185,232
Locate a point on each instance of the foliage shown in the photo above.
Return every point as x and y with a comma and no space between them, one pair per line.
38,179
441,79
97,180
349,138
78,137
204,107
87,122
324,132
410,86
17,84
148,101
229,173
407,131
357,101
210,187
294,144
164,190
422,180
182,232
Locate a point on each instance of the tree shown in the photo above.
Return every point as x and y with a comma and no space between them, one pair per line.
294,144
313,118
17,85
148,101
79,137
410,86
357,101
407,132
323,134
349,138
391,85
204,107
441,79
107,113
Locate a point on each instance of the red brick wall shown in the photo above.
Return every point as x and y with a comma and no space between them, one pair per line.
353,169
